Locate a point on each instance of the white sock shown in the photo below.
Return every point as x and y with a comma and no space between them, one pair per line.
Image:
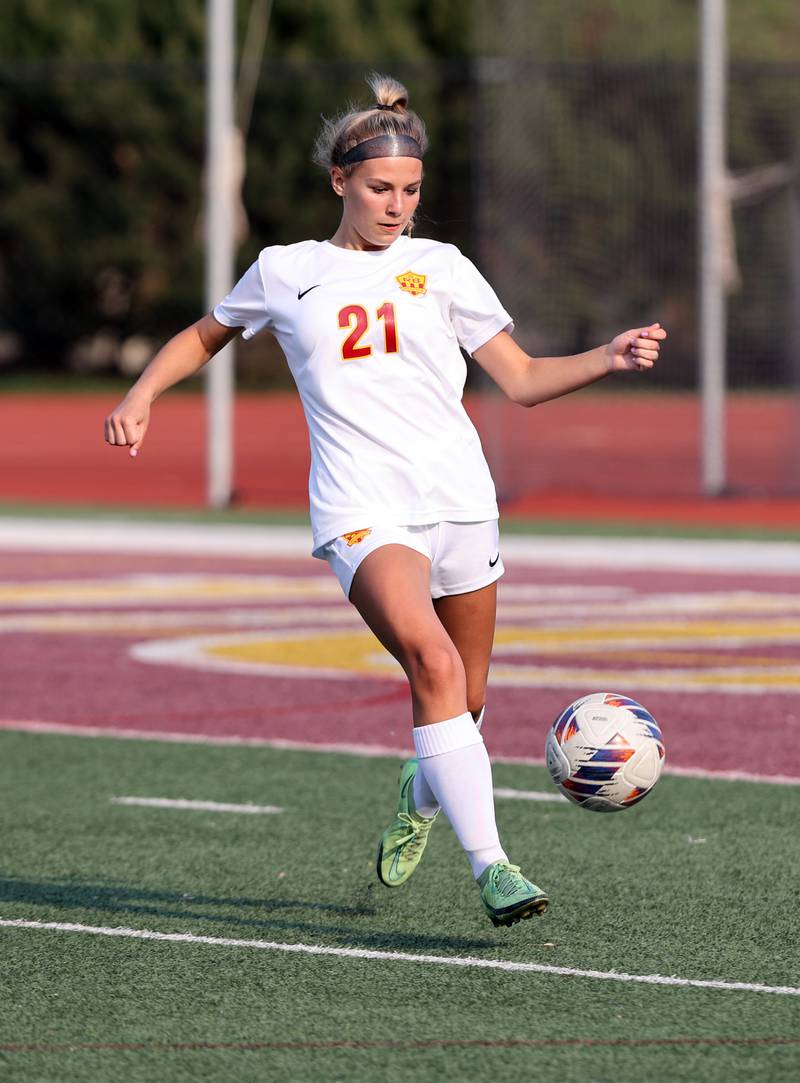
425,801
455,764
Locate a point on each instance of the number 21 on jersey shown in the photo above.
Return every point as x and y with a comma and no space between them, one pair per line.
356,319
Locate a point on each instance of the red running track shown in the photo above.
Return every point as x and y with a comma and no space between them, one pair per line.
593,456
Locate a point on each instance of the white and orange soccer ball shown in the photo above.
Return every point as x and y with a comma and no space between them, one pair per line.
605,752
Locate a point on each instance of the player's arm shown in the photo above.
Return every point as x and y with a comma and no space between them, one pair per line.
531,380
184,355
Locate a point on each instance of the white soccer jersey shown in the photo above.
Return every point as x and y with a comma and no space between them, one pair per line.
372,340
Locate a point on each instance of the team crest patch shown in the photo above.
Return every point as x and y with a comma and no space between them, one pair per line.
413,283
356,536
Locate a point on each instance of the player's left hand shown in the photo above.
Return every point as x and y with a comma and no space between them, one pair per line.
635,350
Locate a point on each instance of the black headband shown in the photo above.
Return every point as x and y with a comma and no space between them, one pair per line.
383,146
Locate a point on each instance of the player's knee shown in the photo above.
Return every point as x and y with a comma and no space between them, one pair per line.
477,678
434,666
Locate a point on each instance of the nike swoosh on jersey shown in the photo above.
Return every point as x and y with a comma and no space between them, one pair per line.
493,562
301,293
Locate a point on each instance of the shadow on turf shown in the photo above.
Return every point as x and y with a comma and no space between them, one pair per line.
119,899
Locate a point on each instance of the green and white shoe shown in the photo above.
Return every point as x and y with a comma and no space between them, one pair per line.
403,843
508,896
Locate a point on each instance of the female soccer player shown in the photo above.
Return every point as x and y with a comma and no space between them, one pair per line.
403,507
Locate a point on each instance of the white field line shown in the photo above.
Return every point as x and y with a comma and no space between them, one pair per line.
216,806
187,539
403,957
127,734
74,535
338,748
531,795
195,806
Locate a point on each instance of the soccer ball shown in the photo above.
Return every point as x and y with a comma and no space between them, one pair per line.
605,752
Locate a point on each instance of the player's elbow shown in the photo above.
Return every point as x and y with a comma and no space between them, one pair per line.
522,393
522,388
526,398
213,335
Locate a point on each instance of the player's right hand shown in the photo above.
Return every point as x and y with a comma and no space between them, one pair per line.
126,426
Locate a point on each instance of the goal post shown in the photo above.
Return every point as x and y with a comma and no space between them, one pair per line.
713,244
221,156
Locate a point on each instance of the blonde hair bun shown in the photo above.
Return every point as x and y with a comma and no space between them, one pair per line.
389,115
388,92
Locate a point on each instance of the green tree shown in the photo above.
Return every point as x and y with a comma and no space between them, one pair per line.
570,174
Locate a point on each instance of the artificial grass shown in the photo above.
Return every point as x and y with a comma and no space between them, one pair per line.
636,892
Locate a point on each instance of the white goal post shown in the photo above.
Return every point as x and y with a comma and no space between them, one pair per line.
715,243
222,157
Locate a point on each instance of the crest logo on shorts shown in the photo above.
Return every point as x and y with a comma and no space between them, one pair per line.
411,282
356,536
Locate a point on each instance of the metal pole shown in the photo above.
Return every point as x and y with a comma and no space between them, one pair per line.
712,243
219,242
794,317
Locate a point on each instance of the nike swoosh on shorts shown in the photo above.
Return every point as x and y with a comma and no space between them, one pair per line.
493,562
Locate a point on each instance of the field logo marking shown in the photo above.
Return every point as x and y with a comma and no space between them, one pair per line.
403,957
166,588
568,634
596,650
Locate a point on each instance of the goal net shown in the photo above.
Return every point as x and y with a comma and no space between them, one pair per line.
586,219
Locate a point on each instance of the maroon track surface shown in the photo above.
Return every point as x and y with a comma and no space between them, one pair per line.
599,456
85,678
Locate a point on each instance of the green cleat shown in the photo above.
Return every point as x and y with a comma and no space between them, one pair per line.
508,896
403,843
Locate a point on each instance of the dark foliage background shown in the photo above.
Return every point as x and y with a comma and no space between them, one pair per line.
562,159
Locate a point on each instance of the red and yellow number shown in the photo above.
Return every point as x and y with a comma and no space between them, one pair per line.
386,313
350,349
356,319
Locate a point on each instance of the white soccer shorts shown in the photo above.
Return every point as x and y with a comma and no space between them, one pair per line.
463,556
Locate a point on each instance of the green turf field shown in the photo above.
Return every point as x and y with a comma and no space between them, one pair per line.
639,894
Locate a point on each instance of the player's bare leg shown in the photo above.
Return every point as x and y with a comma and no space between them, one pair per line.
469,620
391,591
